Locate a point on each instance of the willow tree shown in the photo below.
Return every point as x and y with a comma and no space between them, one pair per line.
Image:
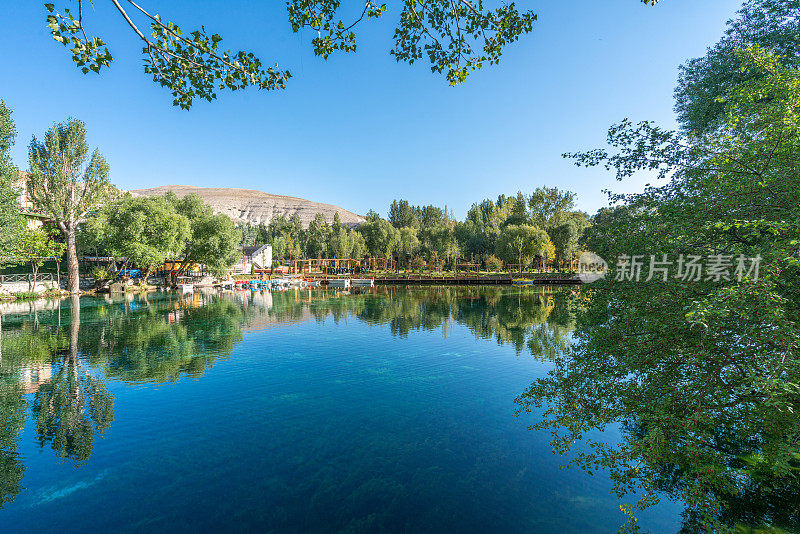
67,184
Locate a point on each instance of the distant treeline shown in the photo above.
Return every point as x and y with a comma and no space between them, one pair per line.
516,229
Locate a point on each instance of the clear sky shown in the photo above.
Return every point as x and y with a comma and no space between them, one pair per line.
360,130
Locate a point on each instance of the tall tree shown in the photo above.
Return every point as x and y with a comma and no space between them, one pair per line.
549,205
66,184
402,214
567,235
519,211
440,240
380,237
317,237
409,242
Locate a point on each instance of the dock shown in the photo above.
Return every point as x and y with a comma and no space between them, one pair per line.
548,279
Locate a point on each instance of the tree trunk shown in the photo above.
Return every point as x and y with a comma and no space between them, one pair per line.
73,270
74,327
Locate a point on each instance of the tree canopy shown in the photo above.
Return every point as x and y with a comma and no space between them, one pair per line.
699,367
519,244
146,231
705,81
214,240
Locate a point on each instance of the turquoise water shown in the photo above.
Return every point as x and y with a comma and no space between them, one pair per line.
300,411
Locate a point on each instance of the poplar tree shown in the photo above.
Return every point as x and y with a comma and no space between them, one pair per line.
67,184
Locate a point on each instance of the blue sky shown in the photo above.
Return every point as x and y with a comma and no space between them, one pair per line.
360,130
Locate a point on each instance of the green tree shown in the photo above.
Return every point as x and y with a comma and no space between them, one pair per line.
700,371
67,184
358,246
549,206
380,237
279,248
518,214
277,226
519,244
566,237
318,237
705,81
214,240
291,247
409,242
37,245
12,223
472,239
147,231
402,214
456,38
440,240
430,216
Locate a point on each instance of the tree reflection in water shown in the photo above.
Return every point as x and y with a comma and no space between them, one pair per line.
57,362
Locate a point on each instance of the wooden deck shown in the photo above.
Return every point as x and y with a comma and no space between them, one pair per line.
538,279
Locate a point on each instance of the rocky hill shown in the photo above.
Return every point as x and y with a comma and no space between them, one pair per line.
256,207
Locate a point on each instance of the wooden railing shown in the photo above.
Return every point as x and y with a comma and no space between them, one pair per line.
10,278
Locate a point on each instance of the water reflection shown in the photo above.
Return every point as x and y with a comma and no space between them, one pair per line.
57,357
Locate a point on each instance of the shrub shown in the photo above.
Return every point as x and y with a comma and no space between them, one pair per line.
417,262
494,264
101,273
25,295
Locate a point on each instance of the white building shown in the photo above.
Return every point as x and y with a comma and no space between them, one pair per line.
258,257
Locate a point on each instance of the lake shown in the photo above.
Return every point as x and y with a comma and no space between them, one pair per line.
382,410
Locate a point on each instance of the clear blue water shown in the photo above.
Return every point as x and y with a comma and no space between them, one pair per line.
307,411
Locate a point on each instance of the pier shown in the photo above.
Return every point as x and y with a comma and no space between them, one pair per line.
464,279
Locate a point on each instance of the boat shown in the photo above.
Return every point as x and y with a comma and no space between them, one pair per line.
522,282
339,282
363,282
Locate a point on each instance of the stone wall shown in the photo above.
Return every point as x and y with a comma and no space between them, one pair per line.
8,288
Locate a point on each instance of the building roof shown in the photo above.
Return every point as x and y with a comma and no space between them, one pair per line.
253,250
